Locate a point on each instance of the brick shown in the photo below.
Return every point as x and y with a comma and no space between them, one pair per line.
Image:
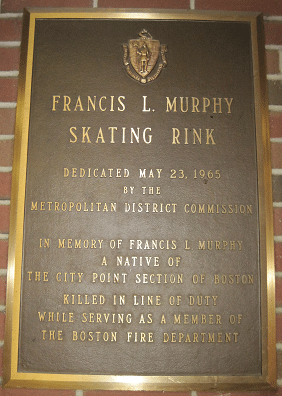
278,256
275,122
145,3
279,363
3,253
18,5
7,121
2,325
134,393
272,62
3,283
6,152
10,29
270,7
277,188
5,185
36,392
276,155
277,219
10,59
278,292
278,392
8,89
275,92
279,328
273,33
4,218
1,361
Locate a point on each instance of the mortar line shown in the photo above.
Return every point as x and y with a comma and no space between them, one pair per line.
273,47
5,202
9,44
10,15
9,73
275,108
274,77
8,105
276,171
7,137
273,18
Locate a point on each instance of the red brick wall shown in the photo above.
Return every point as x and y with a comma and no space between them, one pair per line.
10,36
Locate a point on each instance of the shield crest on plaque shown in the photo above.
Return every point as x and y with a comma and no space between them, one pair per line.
144,55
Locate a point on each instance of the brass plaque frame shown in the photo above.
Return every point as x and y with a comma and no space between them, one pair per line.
14,378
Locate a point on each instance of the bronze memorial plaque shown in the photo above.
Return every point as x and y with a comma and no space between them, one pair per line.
141,241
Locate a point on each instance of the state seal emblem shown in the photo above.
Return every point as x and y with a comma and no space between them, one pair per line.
144,58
